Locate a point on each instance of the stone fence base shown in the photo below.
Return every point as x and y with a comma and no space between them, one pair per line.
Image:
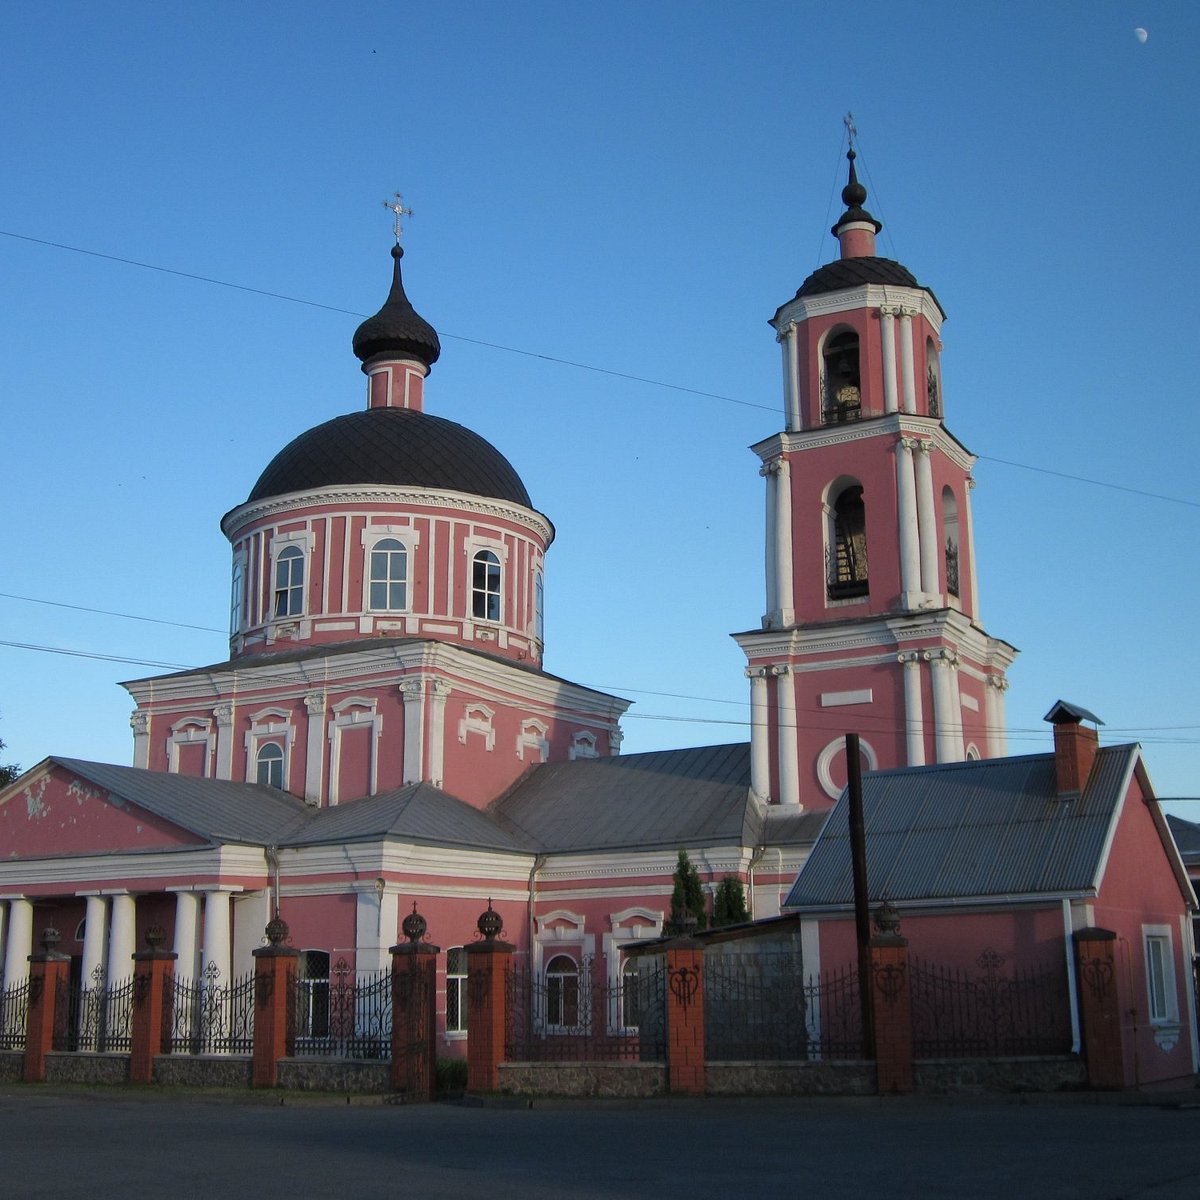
11,1064
203,1070
334,1075
966,1075
62,1067
627,1080
790,1079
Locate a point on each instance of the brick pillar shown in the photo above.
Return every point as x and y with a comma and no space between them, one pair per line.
153,975
1099,1010
274,1008
414,1008
685,1017
47,979
891,1009
487,1004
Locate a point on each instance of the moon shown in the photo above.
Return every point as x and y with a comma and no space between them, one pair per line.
1140,34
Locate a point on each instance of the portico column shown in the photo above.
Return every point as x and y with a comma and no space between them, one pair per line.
18,945
139,722
926,519
906,509
216,934
376,917
887,327
993,711
914,716
947,724
95,938
122,938
187,929
791,376
769,471
439,693
314,762
413,692
224,717
907,379
789,749
760,746
783,541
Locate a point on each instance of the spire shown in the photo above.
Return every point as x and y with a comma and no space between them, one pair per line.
397,330
856,228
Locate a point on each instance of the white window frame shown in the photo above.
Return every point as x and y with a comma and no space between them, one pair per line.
539,606
261,761
584,744
533,737
457,981
280,543
269,725
190,731
628,926
237,596
486,592
477,718
353,713
1162,989
410,540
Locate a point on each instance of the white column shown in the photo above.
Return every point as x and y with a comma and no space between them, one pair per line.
906,508
947,724
122,938
791,359
760,744
783,542
251,912
314,761
439,693
216,950
376,924
993,712
887,325
3,932
139,722
914,716
95,938
18,945
970,606
769,472
413,692
907,379
789,746
187,935
224,718
926,519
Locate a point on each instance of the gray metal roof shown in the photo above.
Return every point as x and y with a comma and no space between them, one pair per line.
416,812
663,798
1187,838
217,810
971,829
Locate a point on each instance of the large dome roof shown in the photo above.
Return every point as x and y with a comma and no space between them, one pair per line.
854,272
397,447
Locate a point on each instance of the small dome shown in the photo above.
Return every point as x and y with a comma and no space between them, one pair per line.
854,272
397,330
397,447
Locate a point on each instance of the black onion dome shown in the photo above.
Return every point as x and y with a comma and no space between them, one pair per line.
394,447
397,330
854,272
853,196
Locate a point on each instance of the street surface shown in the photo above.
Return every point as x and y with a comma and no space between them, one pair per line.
80,1145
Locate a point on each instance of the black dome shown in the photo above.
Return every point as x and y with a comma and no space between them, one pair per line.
395,447
397,329
854,272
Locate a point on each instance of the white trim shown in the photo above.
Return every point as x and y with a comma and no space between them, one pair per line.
477,718
825,763
835,699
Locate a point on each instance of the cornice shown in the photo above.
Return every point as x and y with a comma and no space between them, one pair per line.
869,295
387,498
889,426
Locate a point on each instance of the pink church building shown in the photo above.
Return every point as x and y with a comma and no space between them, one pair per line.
385,731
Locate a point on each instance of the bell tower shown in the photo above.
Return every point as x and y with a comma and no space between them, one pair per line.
872,618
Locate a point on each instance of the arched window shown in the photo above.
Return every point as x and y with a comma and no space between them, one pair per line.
843,386
950,528
562,993
270,765
456,990
289,582
237,592
539,606
847,552
933,379
485,586
389,576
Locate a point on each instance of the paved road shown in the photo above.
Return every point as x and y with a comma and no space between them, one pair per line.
69,1145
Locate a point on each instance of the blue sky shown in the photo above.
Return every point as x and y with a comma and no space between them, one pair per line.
632,186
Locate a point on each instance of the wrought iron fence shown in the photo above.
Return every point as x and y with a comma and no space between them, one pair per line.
95,1018
206,1016
14,1015
991,1014
346,1015
579,1014
760,1006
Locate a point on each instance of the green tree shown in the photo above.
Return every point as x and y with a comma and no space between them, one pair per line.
8,772
687,897
729,904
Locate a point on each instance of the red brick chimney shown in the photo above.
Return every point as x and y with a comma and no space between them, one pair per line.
1075,746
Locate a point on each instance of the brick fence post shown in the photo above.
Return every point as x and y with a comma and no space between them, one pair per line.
487,1003
891,1005
47,978
685,1017
274,1007
1099,1010
414,1011
153,973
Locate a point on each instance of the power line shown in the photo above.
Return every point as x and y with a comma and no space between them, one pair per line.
106,612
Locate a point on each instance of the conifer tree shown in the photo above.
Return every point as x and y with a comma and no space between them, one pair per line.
687,897
729,904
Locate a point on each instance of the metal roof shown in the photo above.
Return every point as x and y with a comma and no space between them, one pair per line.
970,830
1187,837
218,810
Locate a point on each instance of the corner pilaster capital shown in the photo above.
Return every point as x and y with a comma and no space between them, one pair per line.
411,689
780,669
998,682
440,688
224,715
908,657
139,722
757,672
315,703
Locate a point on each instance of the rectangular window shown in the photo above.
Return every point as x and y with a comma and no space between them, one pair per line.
1160,977
456,990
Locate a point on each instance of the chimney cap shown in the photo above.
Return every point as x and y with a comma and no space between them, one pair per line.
1066,713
